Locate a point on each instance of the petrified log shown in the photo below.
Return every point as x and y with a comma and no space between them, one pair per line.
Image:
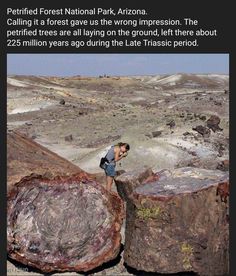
131,180
59,217
63,224
25,156
177,222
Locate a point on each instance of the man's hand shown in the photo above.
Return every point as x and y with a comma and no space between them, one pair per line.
124,154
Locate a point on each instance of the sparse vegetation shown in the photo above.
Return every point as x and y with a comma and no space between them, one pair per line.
187,251
145,213
155,114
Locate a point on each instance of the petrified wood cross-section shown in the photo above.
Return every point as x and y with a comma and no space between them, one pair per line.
59,218
177,221
63,224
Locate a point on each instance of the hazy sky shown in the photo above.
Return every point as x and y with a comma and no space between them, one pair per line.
115,64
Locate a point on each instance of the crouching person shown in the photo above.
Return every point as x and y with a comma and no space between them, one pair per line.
114,154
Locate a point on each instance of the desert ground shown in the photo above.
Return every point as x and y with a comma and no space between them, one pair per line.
80,117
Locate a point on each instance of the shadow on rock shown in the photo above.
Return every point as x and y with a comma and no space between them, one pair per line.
107,265
134,271
28,269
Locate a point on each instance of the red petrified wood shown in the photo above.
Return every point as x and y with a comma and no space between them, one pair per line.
178,221
58,223
25,156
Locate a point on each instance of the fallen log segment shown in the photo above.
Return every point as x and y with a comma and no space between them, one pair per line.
131,180
59,217
25,156
63,224
177,221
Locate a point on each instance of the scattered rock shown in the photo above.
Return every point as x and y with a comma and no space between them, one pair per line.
149,135
171,124
217,103
186,133
103,141
62,102
213,123
156,133
202,117
189,116
192,153
204,131
223,165
69,138
221,149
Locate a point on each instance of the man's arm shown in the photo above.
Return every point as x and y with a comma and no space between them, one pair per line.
118,156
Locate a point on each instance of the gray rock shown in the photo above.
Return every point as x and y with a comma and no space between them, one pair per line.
202,117
171,124
156,133
62,102
204,131
69,138
213,123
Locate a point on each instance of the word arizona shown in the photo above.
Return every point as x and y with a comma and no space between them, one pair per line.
131,11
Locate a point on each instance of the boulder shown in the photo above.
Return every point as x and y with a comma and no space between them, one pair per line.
186,133
69,138
213,123
202,117
217,103
204,131
62,102
156,133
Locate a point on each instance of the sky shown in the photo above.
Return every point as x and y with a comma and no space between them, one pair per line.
115,64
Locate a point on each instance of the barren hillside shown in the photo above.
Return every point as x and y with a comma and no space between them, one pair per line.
169,121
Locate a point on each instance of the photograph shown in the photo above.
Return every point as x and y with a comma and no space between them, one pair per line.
118,164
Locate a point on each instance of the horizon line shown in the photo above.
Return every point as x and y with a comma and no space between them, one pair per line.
109,75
